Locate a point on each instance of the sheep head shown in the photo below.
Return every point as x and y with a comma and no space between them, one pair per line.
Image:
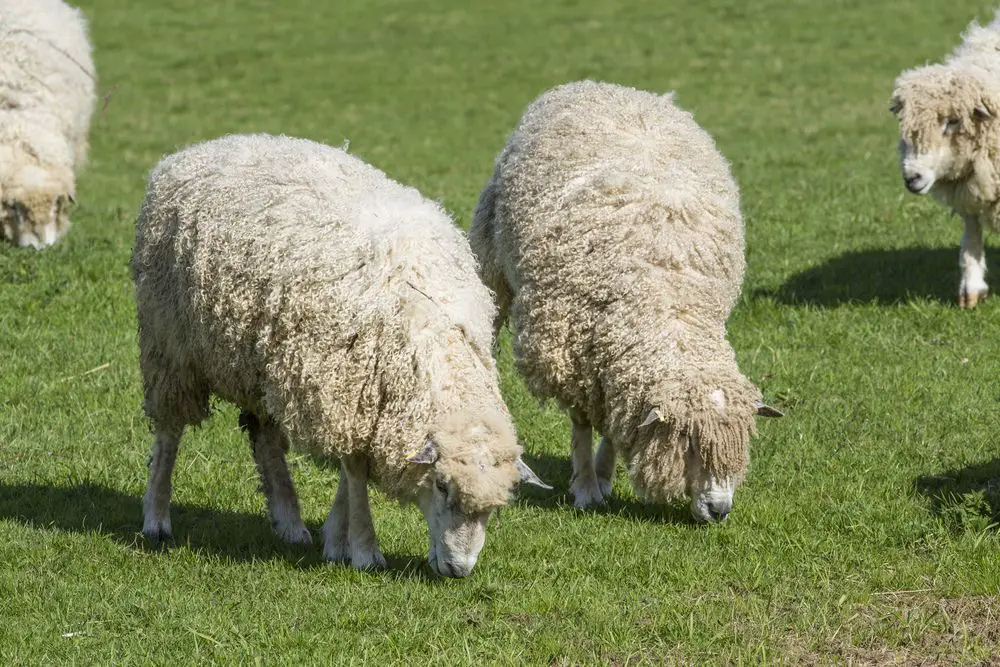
473,463
694,440
34,209
947,126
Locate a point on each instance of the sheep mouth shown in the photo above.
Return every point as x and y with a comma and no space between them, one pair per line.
918,185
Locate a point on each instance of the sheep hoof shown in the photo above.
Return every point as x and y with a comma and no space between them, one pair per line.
157,532
969,299
604,486
293,534
585,496
362,559
337,553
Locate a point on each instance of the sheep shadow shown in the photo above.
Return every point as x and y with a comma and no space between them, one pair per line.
557,470
873,276
238,536
973,491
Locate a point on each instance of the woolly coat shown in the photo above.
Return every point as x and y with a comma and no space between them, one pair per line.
969,77
47,82
611,229
307,287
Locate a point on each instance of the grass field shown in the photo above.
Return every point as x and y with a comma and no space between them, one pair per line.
866,530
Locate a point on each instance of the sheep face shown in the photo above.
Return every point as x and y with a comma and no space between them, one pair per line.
943,117
473,465
36,214
711,496
699,446
456,536
703,458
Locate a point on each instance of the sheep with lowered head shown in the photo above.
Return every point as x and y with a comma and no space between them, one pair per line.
340,311
949,143
611,233
46,99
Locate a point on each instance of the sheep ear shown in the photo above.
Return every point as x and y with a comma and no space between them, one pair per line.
981,112
764,410
428,454
528,475
651,418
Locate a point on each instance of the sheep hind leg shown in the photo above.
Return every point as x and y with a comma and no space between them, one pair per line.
583,485
336,545
156,503
972,262
365,553
605,467
269,446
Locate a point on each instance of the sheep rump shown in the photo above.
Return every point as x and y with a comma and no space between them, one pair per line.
611,233
47,84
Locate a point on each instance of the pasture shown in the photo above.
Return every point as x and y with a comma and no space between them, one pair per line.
867,529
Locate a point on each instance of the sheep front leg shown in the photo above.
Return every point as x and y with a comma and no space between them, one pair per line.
156,502
605,466
269,446
583,485
360,530
972,263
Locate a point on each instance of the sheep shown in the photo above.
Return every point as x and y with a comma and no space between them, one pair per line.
948,143
611,235
338,310
47,97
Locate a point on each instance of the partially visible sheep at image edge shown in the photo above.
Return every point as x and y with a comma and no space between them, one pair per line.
47,83
611,233
950,143
340,311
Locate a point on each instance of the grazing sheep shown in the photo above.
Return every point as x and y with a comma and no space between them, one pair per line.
339,310
611,232
46,99
949,139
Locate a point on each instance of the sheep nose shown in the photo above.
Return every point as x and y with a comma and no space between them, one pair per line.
914,183
719,511
454,570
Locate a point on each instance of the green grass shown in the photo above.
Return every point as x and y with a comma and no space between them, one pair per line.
866,529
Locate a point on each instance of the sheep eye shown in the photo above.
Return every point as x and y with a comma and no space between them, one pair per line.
950,125
442,487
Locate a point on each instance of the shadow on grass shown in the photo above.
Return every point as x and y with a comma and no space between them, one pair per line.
874,276
965,494
91,508
556,471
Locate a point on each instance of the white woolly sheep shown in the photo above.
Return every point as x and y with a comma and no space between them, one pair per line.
950,143
340,311
47,85
611,232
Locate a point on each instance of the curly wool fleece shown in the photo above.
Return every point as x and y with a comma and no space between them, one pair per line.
47,84
611,229
304,285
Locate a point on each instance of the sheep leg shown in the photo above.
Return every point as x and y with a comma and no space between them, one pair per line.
605,466
156,503
583,485
360,530
269,446
972,262
336,545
